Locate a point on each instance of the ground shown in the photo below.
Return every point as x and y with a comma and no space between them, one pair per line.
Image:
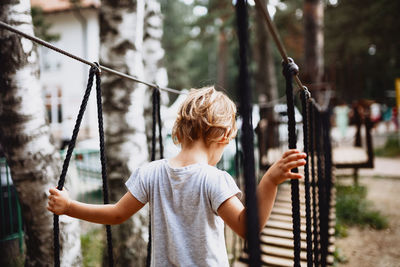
373,248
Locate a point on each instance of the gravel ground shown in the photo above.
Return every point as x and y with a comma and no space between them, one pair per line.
373,248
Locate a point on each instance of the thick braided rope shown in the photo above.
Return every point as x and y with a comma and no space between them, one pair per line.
289,70
325,116
320,181
156,119
313,183
103,164
160,142
306,133
67,159
247,138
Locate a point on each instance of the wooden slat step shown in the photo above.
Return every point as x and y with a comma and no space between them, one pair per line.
281,233
274,261
278,261
284,211
280,242
288,243
281,252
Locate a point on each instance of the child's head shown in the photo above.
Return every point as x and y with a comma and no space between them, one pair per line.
207,114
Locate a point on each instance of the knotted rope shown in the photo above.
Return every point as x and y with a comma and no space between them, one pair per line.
290,69
305,95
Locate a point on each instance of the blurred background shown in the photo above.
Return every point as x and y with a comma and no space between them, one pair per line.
349,58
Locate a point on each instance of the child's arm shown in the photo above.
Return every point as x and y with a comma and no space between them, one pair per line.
60,203
232,210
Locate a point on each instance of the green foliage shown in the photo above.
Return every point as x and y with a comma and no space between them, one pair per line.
92,248
41,27
361,47
353,209
391,148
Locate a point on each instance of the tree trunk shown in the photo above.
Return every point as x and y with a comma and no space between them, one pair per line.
314,44
266,86
222,67
121,36
153,53
24,135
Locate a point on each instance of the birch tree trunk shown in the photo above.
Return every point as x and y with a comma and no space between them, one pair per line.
153,53
121,36
24,135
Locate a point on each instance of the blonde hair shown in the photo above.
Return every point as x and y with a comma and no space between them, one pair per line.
207,114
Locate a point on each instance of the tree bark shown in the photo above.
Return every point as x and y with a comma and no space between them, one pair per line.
267,88
25,137
121,36
314,44
154,72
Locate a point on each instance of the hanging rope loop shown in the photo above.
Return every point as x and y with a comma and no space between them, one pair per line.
290,68
98,68
307,93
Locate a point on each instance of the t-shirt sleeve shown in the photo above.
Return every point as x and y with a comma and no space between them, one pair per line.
221,189
137,186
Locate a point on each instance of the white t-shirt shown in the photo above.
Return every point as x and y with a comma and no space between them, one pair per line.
186,229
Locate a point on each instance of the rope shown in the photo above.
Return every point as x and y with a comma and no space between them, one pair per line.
61,51
320,178
93,71
313,182
305,95
275,36
289,70
327,179
247,139
103,164
156,116
67,159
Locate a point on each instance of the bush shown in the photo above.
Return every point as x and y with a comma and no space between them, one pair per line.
391,148
353,209
92,248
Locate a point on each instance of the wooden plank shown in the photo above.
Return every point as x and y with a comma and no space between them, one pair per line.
273,261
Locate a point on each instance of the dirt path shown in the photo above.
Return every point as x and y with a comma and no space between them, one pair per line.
368,247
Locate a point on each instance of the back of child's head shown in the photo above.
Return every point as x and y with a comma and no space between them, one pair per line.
207,114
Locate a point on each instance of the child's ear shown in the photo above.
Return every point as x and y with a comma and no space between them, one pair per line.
223,140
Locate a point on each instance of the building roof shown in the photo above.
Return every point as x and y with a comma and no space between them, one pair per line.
49,6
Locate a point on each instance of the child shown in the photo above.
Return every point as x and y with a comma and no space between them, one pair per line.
189,198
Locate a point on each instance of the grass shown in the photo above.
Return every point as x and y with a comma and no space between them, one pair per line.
391,147
352,209
92,248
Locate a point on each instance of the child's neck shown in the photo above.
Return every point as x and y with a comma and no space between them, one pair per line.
196,152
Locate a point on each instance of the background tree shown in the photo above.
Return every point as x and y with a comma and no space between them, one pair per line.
24,135
313,69
121,37
266,87
362,44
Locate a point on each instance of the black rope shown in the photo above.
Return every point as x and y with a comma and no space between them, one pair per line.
313,184
93,71
67,159
156,117
320,181
305,95
247,138
103,164
289,70
325,119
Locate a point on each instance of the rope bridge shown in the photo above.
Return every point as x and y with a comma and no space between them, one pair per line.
311,233
299,231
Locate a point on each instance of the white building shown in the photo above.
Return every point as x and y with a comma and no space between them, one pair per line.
64,79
